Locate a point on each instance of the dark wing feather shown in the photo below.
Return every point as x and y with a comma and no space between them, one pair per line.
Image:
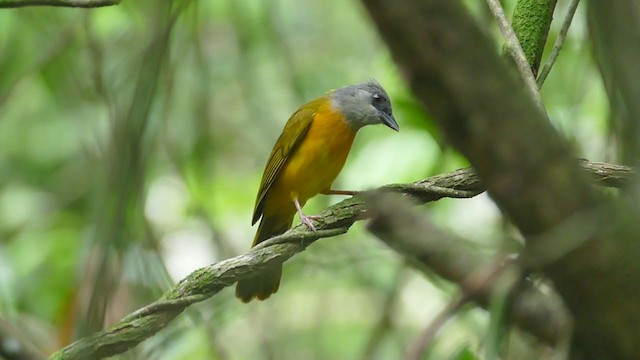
292,134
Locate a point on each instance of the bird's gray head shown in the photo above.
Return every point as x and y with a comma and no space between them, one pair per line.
364,104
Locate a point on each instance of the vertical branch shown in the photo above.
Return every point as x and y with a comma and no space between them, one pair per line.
615,30
384,325
513,47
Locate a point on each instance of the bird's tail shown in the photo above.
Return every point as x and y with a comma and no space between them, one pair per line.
267,283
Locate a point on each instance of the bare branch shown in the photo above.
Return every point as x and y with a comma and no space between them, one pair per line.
9,4
557,46
384,325
514,48
416,350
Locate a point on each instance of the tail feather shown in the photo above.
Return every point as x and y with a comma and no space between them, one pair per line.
267,283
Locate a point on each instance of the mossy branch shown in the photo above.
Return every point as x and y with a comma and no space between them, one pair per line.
206,282
531,22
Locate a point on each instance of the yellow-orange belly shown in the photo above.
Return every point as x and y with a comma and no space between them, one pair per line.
314,165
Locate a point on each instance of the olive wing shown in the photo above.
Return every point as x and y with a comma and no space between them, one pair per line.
292,134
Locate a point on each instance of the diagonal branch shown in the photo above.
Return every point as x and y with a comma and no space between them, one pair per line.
557,46
208,281
409,233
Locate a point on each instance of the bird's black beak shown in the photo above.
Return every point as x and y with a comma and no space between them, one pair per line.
389,120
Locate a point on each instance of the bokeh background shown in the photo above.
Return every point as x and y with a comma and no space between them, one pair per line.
132,142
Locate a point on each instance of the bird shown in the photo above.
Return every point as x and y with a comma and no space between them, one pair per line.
304,162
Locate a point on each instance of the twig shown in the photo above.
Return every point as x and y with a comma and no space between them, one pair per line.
8,4
17,344
503,291
481,282
517,53
384,323
428,334
559,43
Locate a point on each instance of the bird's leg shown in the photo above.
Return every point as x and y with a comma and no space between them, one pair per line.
339,192
304,218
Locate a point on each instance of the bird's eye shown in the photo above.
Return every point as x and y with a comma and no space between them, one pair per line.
376,98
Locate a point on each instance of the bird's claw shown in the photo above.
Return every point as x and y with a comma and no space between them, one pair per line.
307,221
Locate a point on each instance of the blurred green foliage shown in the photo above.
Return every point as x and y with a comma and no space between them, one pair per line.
129,159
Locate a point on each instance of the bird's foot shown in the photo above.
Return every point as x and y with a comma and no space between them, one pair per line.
308,221
305,219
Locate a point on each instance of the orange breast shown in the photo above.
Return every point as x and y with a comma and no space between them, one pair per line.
316,162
